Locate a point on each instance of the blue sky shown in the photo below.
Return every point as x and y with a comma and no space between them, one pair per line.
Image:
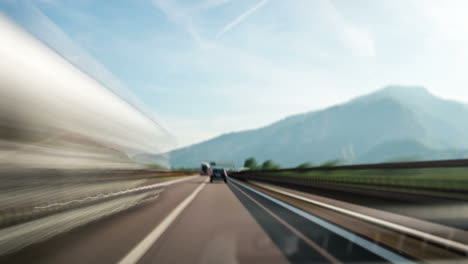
208,67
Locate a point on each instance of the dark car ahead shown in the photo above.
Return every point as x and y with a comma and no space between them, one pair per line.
218,174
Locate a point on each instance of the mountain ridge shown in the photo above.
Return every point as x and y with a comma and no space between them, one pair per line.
345,131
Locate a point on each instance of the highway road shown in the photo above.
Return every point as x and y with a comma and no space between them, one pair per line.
193,221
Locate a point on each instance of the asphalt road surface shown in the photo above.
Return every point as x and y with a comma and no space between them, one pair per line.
194,221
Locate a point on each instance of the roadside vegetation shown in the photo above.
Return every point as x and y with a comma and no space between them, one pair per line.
305,165
444,182
155,166
252,164
185,169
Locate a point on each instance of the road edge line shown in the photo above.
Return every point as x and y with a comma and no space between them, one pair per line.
397,227
367,244
325,254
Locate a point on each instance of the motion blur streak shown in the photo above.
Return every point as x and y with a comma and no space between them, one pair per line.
53,115
67,145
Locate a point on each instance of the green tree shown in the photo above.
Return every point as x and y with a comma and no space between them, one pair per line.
251,163
305,165
270,165
330,163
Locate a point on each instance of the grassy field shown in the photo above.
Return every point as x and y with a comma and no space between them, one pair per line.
446,182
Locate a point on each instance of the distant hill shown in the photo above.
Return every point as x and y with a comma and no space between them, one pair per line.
407,150
391,123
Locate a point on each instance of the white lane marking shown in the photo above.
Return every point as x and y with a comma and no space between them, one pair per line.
98,196
375,248
139,250
308,241
432,238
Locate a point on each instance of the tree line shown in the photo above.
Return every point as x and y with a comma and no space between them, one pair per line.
252,164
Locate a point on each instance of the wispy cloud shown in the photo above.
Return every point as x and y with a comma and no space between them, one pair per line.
183,16
448,18
180,16
357,39
240,18
208,4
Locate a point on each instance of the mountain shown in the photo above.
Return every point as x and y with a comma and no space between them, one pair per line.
408,150
392,123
